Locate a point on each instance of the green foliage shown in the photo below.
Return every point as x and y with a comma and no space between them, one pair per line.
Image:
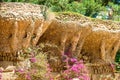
40,66
76,7
56,8
92,7
57,5
116,10
87,8
118,60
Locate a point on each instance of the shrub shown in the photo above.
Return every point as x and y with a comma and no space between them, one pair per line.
116,11
38,68
75,71
118,61
76,7
92,7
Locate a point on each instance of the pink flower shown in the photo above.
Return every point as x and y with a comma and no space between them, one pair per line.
28,77
75,68
112,65
1,70
51,79
80,66
81,61
33,60
73,60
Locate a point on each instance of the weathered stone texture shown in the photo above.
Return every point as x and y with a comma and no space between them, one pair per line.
21,25
94,43
100,41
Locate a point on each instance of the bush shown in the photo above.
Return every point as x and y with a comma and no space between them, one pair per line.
118,61
87,8
116,11
76,7
38,65
92,7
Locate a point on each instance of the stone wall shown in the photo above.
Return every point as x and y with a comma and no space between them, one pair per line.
20,27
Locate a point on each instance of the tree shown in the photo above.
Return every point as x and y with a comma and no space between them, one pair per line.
105,2
1,0
13,0
27,0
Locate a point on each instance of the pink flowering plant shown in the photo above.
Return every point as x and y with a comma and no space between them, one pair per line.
75,69
35,68
41,70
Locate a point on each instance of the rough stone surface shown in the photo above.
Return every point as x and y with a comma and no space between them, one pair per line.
98,40
19,28
94,41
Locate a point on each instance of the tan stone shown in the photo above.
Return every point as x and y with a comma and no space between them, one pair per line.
97,39
20,27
